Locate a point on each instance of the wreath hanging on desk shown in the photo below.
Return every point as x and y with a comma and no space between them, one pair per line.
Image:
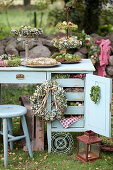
39,101
95,94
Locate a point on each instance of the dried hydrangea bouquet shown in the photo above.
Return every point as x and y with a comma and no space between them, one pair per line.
26,33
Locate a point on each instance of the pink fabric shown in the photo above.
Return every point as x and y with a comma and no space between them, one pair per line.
104,56
68,121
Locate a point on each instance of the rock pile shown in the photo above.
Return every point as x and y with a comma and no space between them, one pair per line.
44,48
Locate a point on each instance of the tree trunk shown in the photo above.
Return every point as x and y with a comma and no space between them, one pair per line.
27,2
91,16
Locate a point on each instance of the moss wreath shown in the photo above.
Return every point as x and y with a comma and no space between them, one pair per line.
39,101
95,94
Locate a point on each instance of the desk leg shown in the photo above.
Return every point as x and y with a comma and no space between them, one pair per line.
49,123
0,103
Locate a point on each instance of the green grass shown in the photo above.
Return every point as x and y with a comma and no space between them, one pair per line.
20,16
18,159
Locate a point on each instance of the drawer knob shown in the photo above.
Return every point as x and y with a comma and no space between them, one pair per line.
20,76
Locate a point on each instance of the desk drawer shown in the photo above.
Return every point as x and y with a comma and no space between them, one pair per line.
22,77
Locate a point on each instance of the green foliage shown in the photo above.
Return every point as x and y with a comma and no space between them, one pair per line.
14,63
11,95
107,141
105,29
42,4
66,58
95,94
4,30
5,4
56,15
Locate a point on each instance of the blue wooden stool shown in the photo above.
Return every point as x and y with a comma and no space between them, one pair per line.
7,112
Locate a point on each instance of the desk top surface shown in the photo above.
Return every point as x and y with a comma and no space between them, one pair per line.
84,65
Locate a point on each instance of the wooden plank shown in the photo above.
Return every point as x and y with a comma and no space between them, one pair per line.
70,82
68,130
75,96
35,127
79,124
75,110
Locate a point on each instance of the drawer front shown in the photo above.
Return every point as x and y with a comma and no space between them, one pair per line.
22,77
78,124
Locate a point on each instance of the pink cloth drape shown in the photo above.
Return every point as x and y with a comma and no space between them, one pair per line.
104,56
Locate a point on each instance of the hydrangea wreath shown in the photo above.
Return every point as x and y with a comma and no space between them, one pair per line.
95,94
66,58
66,43
26,31
65,25
39,101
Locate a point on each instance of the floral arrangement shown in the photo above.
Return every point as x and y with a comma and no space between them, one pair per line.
41,61
26,31
66,58
67,25
66,43
93,50
9,61
107,141
39,101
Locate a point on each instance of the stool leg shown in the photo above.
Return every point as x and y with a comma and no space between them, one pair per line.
10,131
25,129
5,141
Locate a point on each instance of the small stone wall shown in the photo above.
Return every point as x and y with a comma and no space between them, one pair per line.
43,48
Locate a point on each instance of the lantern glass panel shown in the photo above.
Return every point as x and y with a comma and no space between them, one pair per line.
93,151
82,150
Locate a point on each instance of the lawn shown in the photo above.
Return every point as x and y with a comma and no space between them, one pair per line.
18,159
18,16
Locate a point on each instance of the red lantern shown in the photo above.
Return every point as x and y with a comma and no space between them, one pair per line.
88,146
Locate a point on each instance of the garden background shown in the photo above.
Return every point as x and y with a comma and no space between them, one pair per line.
95,17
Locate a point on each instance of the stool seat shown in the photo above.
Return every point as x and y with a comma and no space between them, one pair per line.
7,112
10,110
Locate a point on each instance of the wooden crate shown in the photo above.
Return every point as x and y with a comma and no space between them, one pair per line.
35,127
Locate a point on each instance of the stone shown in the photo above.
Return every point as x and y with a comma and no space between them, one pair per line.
109,70
83,50
21,45
38,51
96,36
11,48
109,36
2,50
111,60
47,43
80,54
9,38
